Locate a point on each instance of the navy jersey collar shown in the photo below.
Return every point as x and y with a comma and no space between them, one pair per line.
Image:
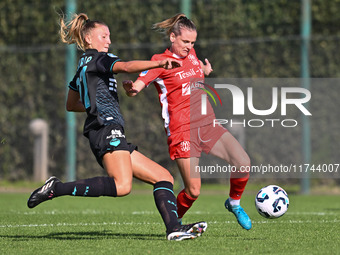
90,51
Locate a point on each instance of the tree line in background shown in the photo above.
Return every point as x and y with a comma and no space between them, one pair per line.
242,39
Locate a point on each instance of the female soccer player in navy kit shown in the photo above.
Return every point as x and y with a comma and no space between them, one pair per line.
189,134
94,90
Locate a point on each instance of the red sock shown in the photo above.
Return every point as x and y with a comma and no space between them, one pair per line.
237,186
184,202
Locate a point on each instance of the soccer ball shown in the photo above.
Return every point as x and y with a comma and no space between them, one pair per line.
272,202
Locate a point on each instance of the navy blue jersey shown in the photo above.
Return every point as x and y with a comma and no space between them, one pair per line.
97,88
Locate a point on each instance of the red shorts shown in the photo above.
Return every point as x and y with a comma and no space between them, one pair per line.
191,143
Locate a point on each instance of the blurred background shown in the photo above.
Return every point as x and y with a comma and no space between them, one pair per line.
241,38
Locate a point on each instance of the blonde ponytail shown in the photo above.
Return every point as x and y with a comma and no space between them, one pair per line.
175,24
74,31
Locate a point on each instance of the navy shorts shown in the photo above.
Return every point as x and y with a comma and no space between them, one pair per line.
108,139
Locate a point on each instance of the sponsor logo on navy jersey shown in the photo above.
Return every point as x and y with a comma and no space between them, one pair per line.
112,55
115,133
115,142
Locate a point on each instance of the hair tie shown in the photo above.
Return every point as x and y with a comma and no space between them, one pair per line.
87,21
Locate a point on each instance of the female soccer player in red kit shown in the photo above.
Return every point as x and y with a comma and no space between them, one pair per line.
189,135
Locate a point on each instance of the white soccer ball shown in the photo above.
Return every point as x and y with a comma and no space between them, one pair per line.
272,201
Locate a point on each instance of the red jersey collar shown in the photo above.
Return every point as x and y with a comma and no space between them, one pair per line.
169,53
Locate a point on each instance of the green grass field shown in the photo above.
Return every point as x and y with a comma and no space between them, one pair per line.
132,225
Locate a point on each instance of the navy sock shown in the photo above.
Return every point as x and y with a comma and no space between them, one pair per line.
166,204
93,187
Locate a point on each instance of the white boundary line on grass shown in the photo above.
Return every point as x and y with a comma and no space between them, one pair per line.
273,221
77,224
99,212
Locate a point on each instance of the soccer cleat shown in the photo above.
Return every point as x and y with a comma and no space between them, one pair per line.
241,216
45,192
189,231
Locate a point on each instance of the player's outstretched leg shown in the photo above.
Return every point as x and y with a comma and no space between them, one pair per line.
45,192
241,216
92,187
189,231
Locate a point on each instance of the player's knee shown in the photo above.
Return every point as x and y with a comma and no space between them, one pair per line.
167,177
243,162
123,188
194,191
246,162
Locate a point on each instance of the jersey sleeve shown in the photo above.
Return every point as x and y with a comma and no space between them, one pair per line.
151,75
105,62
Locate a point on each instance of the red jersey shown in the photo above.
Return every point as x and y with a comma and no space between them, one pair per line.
179,93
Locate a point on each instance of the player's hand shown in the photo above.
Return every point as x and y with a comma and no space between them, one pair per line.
170,63
207,69
128,86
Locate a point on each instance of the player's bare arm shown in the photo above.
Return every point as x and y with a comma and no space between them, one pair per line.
141,65
73,103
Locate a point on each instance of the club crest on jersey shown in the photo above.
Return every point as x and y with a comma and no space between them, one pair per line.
185,146
193,60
